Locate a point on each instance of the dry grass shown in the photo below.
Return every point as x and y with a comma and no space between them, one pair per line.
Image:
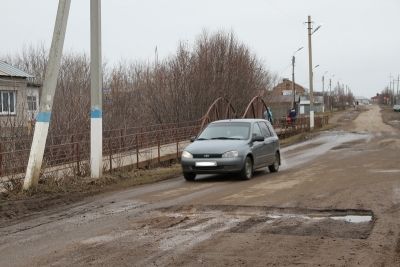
390,117
52,193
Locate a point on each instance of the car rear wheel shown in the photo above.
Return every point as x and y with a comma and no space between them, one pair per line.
275,166
247,171
189,176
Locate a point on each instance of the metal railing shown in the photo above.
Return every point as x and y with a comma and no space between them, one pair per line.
121,147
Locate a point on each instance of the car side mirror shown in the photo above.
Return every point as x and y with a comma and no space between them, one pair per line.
258,138
192,139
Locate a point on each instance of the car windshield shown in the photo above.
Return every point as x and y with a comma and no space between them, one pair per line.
226,131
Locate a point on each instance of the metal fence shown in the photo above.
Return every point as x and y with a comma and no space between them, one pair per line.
121,147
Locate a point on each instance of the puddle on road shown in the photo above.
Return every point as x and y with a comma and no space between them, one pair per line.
353,218
346,218
320,145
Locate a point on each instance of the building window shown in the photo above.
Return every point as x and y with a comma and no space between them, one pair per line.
7,102
32,104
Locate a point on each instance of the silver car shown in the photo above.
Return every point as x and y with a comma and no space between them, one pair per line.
232,146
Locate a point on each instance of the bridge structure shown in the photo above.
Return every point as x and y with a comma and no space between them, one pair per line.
136,147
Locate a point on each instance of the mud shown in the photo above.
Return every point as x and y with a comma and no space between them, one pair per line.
298,216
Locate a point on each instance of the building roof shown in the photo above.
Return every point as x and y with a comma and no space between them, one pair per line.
11,71
286,85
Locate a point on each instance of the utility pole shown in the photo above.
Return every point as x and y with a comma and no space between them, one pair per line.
96,87
397,94
391,88
323,93
293,84
46,102
310,69
329,98
310,76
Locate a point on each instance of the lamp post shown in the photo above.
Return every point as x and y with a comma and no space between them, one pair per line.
330,93
293,83
310,69
323,91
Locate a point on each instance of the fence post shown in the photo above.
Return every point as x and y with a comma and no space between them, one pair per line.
110,151
121,144
177,149
158,151
137,152
1,161
78,167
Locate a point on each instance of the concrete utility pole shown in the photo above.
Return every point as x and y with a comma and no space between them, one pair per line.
391,88
310,70
46,101
293,82
96,85
329,97
397,94
323,91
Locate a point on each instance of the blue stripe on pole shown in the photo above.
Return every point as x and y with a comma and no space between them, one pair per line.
43,116
96,113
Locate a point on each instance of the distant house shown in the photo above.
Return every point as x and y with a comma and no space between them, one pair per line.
286,88
318,104
280,104
361,100
19,97
376,99
280,99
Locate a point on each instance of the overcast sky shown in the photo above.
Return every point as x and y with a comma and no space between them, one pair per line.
358,43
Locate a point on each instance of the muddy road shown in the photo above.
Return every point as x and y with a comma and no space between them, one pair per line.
335,202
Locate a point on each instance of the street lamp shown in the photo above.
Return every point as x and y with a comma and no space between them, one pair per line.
323,91
293,84
310,68
330,92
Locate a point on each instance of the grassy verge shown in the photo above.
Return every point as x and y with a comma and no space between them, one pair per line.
390,117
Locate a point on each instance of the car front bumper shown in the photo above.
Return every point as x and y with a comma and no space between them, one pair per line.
222,165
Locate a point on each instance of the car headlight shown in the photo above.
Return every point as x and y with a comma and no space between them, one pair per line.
231,154
186,155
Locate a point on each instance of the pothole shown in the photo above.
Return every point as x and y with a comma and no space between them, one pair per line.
354,224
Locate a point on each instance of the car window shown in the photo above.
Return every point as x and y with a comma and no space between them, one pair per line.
264,129
271,129
256,130
226,130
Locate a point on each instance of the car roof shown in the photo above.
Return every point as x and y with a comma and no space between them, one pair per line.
238,120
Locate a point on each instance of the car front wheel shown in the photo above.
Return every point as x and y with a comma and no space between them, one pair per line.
247,171
189,176
275,166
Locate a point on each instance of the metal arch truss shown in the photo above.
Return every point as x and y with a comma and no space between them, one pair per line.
220,109
256,108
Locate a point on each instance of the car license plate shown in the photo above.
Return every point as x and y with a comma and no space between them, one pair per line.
205,164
